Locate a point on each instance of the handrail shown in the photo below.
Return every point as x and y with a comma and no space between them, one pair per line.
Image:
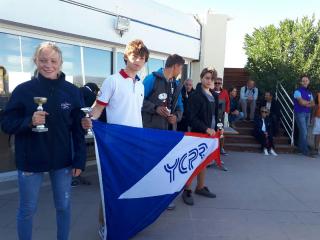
286,111
284,90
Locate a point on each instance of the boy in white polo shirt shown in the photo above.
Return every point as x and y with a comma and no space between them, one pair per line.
122,95
123,92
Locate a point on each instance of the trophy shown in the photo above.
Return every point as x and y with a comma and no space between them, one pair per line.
40,101
87,110
220,127
163,98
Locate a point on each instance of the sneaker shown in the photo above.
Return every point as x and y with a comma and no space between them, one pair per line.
223,152
205,192
171,206
273,152
223,168
75,181
265,152
101,232
187,197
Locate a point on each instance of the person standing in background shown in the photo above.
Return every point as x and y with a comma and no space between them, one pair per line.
186,91
303,102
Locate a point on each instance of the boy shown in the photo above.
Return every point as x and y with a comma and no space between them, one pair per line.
122,95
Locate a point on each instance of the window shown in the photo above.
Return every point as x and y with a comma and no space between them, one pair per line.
28,46
155,64
97,65
10,52
71,63
120,62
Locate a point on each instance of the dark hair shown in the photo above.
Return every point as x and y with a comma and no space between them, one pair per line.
174,59
93,87
209,70
138,48
231,89
271,93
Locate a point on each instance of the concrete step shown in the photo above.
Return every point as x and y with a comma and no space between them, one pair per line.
255,147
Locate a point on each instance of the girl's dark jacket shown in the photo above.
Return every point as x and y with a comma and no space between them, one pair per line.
63,145
200,110
258,126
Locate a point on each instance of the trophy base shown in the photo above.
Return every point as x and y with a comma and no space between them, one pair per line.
39,129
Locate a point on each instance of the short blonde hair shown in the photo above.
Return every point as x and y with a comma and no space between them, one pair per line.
44,45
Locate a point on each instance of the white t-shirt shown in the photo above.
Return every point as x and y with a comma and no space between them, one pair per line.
123,98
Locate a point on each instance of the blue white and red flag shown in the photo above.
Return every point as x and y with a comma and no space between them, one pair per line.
142,170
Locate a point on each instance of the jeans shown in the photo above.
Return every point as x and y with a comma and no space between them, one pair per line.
302,120
29,188
252,105
234,118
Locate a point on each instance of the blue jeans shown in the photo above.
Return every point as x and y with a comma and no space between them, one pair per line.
234,118
29,188
302,120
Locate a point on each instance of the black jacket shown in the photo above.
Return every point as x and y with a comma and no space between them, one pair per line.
275,107
200,110
51,150
258,125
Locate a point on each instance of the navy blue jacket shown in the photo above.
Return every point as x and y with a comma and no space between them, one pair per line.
51,150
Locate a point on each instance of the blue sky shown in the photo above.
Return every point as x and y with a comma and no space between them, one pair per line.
247,15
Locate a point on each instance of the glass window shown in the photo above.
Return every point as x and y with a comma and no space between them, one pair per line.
97,65
10,52
120,62
71,63
28,46
155,64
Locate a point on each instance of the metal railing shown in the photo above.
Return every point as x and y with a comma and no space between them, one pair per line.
286,111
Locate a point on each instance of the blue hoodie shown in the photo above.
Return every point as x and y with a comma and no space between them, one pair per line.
51,150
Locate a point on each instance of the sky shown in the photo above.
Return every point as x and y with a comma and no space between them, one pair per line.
246,15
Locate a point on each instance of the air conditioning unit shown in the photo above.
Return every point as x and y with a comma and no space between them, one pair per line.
122,25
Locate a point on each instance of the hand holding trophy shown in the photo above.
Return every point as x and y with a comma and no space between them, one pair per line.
87,111
220,127
40,101
163,97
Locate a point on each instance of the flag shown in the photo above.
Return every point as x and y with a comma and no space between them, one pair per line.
142,170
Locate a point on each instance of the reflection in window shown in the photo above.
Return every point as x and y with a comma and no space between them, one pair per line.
120,62
155,64
97,65
71,63
28,46
10,52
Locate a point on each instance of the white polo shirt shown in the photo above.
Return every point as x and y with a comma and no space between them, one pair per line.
123,98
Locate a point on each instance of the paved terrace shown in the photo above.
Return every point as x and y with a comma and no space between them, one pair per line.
259,198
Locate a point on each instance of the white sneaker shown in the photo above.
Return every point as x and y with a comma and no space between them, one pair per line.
273,152
265,151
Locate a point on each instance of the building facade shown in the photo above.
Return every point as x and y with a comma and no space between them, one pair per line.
92,36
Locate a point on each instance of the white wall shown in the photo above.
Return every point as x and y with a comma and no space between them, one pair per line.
212,46
68,18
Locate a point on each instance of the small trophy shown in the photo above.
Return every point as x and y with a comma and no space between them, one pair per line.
220,127
163,97
87,110
40,101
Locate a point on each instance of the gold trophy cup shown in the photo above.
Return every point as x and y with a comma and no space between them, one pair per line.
40,101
